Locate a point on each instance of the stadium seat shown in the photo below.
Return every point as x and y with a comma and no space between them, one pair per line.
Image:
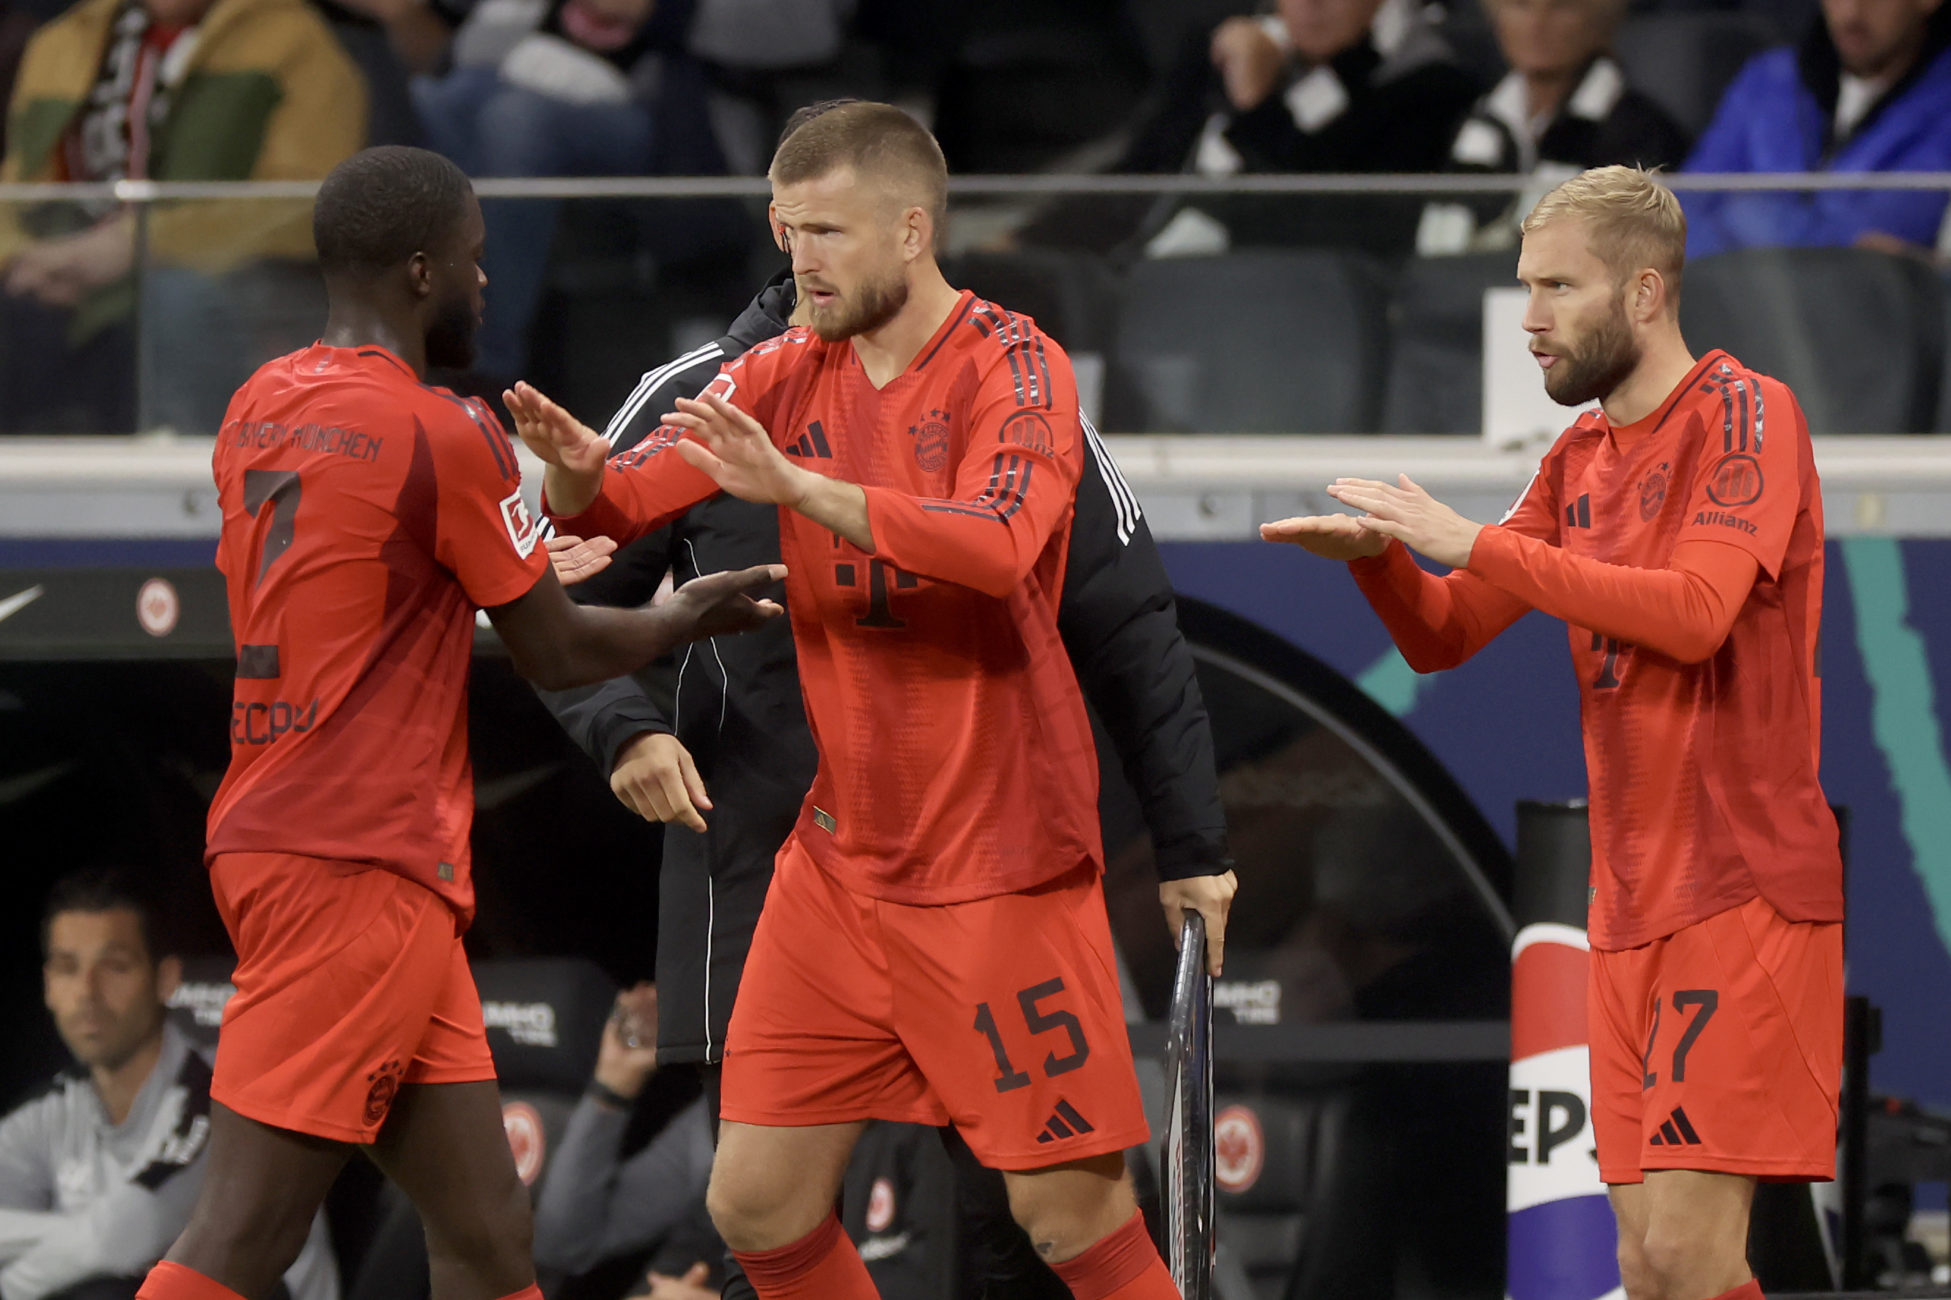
1296,1192
1436,321
1685,60
1255,342
1858,335
1071,296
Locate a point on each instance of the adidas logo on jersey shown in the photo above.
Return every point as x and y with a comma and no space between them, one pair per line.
811,444
1675,1131
1065,1123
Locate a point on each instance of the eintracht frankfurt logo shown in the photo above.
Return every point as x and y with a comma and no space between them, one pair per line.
1239,1149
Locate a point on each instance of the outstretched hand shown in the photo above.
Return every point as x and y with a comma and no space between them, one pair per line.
736,451
576,559
572,450
1332,537
1404,511
719,604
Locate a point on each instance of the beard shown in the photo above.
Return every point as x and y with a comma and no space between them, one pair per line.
1601,365
873,306
450,337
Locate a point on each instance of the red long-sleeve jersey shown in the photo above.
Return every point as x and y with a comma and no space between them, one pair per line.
1685,554
955,755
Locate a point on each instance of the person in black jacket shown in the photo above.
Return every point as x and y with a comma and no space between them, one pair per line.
1315,86
734,758
1564,107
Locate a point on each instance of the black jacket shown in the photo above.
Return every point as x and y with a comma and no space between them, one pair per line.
1602,122
738,706
1388,111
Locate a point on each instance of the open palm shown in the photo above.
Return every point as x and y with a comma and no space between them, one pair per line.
1332,537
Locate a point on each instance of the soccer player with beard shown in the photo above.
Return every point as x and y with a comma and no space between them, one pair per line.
366,517
1677,529
934,946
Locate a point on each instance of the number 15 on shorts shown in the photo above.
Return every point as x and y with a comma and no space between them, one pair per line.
1038,1020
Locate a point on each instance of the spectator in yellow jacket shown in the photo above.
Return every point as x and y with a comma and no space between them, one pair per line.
165,90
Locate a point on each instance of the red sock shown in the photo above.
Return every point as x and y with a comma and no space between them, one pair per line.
1748,1290
1124,1266
822,1265
533,1291
171,1281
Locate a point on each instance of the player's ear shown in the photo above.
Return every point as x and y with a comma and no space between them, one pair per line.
420,275
917,233
1649,295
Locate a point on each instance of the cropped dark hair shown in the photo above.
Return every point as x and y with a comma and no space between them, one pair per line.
382,205
875,140
106,889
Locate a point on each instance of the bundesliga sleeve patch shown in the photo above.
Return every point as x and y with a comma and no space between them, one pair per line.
523,528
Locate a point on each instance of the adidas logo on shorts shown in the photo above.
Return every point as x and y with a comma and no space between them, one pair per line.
1065,1123
1675,1131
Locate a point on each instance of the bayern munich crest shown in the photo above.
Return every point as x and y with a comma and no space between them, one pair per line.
931,441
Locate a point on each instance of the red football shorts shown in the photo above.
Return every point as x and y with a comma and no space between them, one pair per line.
1720,1048
1001,1015
350,982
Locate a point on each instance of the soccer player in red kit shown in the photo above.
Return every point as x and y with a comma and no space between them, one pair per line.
934,947
1677,529
366,516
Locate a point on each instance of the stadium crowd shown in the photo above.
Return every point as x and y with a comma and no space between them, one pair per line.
96,337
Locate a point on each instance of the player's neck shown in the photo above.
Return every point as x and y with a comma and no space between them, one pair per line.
352,327
886,352
1664,364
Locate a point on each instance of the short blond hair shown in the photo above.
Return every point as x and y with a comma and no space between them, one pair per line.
1634,220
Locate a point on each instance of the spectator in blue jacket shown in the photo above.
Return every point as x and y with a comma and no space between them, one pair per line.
1869,90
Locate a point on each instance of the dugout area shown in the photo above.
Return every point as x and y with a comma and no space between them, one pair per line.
1360,1030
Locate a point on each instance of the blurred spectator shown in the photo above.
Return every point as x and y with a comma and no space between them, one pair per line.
389,40
561,88
168,90
1315,86
1869,90
598,1204
98,1174
1563,107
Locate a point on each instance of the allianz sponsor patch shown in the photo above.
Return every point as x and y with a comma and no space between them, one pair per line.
524,530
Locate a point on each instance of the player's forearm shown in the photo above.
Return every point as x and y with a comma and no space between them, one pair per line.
567,493
989,547
837,506
602,643
1683,612
1436,623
